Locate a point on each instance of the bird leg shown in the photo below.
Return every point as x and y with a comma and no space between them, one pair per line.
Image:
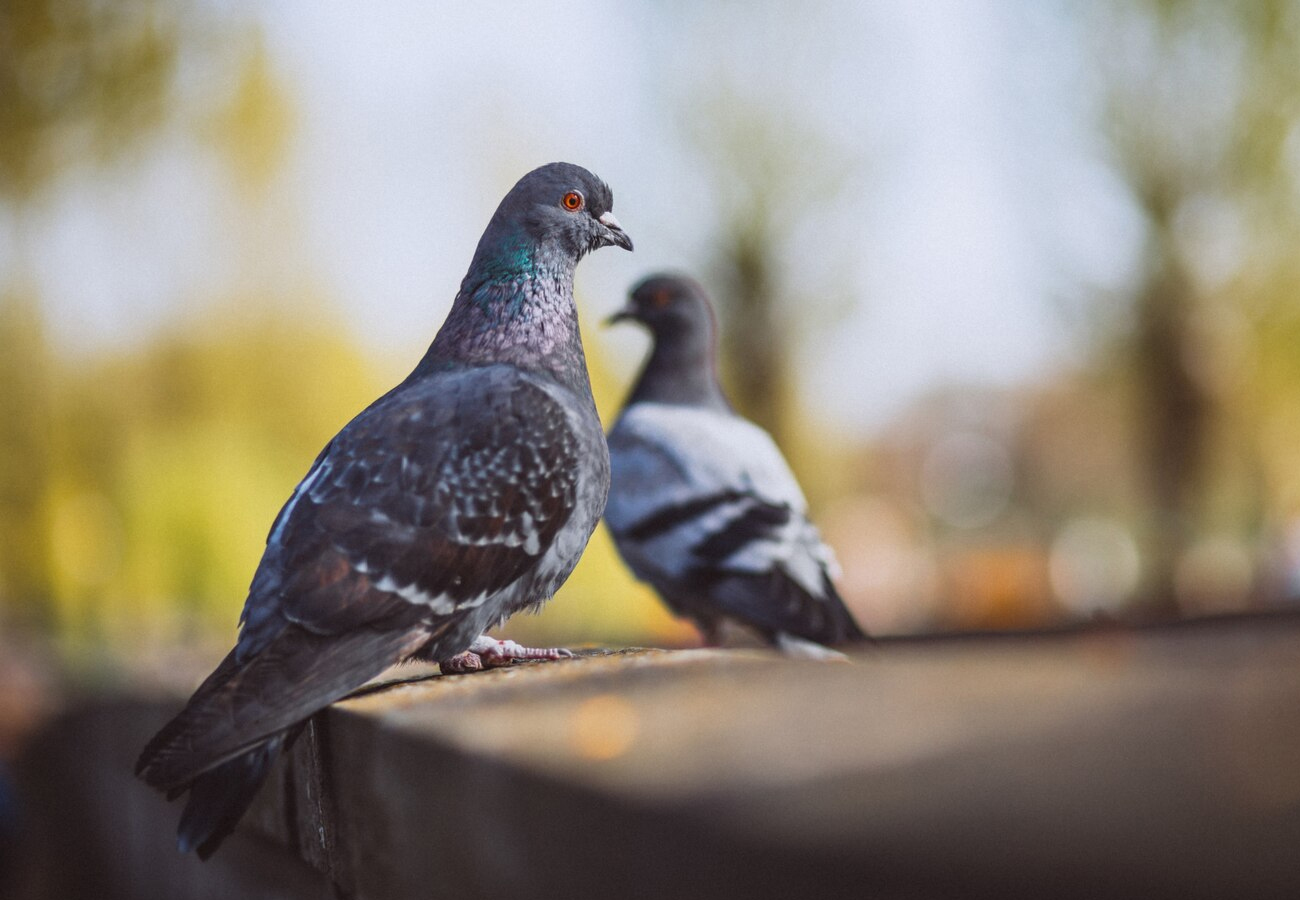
710,632
489,653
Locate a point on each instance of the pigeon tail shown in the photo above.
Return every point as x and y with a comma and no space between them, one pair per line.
243,704
775,603
849,631
161,743
798,648
220,796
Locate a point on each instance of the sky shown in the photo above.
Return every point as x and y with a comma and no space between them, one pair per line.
977,212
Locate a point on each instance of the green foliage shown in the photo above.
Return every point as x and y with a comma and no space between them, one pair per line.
145,481
80,80
253,128
26,464
1202,103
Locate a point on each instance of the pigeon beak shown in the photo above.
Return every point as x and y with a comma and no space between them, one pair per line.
626,314
613,232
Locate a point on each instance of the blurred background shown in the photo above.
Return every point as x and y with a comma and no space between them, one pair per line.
1013,284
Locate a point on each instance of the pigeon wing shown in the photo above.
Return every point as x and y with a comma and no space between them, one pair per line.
703,503
440,498
695,486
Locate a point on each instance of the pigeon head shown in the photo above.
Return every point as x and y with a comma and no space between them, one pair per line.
554,215
681,366
672,307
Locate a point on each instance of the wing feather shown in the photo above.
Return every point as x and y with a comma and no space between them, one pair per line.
704,507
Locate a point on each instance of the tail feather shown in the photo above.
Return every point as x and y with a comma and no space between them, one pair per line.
850,631
776,603
800,648
244,703
220,796
174,729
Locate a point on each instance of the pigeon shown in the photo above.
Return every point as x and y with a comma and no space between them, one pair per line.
702,505
462,496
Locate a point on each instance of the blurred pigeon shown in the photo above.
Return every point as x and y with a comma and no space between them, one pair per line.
702,504
462,496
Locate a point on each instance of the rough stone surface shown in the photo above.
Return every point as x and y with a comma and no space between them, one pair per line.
1106,764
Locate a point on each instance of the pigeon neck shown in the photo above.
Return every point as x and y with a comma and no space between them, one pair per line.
504,256
516,312
681,371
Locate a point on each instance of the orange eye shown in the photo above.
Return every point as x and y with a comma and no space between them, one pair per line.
572,201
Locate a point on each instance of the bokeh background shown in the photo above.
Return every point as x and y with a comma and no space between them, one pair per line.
1013,283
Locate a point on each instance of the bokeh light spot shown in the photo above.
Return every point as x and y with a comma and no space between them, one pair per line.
1094,565
603,727
966,479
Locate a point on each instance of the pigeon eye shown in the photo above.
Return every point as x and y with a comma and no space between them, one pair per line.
572,201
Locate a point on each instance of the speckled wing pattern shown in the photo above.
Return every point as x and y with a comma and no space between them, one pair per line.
429,504
704,507
439,496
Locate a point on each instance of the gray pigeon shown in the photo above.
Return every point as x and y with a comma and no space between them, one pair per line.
702,505
462,496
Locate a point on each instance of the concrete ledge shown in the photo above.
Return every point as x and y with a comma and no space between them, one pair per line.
1115,764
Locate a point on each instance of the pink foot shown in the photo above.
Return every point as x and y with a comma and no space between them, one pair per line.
503,653
489,653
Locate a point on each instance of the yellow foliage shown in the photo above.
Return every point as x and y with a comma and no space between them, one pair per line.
253,128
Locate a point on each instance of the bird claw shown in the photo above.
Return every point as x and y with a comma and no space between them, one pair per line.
461,664
503,653
489,653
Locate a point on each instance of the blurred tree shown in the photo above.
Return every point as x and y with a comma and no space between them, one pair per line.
1201,109
749,153
131,481
253,127
25,458
775,171
745,162
80,81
